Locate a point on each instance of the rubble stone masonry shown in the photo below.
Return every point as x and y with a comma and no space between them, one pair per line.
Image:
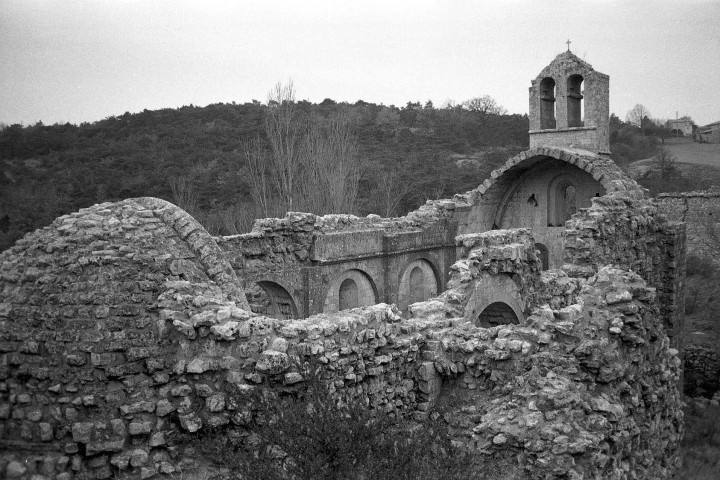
123,333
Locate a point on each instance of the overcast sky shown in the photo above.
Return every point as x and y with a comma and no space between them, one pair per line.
82,61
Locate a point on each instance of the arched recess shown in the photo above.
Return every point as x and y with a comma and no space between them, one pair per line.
547,104
351,289
418,282
575,101
497,313
562,200
598,175
493,288
271,299
544,256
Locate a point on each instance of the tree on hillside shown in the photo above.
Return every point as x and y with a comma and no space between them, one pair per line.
666,162
330,170
638,116
485,105
281,128
260,173
309,165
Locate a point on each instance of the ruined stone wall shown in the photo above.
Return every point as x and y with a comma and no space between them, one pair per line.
701,370
309,256
700,211
632,234
80,341
124,333
584,391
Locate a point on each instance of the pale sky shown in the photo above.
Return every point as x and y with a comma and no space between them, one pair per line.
82,61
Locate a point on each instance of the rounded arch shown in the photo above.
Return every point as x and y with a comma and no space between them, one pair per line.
547,103
418,282
493,288
271,299
574,100
544,256
497,313
352,288
601,168
562,200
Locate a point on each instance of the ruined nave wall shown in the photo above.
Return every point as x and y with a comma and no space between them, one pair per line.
124,334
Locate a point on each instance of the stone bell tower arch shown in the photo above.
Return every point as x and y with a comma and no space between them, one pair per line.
569,106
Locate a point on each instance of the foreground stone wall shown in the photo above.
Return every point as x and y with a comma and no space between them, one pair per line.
124,334
631,233
585,391
80,333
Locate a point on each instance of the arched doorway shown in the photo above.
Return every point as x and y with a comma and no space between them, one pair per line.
562,201
351,289
497,313
270,299
544,256
348,295
418,283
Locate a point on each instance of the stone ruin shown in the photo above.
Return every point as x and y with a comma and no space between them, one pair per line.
547,304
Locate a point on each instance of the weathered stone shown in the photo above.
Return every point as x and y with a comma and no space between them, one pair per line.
15,469
272,362
215,403
138,427
82,431
190,422
164,407
138,457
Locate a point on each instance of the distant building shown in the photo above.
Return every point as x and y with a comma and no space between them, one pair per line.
685,126
709,133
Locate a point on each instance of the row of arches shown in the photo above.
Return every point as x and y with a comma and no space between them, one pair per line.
574,103
351,289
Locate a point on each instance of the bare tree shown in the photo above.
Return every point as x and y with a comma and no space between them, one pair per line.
261,177
330,167
389,192
281,127
184,194
637,115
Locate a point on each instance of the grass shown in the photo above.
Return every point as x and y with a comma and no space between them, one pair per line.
700,448
694,153
698,166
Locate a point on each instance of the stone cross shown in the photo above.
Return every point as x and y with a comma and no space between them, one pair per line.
568,44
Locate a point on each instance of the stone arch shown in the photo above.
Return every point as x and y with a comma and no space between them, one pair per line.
547,104
562,200
601,168
544,256
271,299
497,313
346,283
418,282
575,100
493,288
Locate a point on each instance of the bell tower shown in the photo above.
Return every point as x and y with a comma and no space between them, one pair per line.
569,106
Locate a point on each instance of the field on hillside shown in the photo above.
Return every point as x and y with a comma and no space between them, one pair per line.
687,151
698,168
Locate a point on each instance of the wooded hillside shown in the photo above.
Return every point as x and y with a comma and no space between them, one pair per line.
193,156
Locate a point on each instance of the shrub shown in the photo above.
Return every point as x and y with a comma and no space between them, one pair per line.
701,444
315,434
